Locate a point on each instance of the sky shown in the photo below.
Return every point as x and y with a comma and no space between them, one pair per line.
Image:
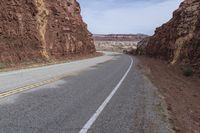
126,16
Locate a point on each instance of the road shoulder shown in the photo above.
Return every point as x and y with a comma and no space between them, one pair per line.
24,77
180,93
28,65
135,107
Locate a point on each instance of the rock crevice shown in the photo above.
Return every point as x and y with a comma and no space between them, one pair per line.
35,30
42,20
178,41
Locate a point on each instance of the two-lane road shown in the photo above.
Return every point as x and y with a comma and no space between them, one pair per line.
106,94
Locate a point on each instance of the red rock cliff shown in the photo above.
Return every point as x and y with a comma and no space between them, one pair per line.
179,39
32,30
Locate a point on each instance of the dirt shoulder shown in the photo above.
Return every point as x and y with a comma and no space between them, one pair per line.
181,94
25,65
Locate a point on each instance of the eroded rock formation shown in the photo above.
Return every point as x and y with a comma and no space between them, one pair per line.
178,41
32,30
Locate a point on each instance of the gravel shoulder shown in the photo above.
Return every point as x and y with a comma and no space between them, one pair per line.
135,108
179,92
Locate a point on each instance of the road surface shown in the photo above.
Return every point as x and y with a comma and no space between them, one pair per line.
107,94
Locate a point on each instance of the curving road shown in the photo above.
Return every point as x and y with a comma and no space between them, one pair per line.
106,94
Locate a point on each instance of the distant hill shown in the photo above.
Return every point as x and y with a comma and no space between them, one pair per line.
117,42
119,37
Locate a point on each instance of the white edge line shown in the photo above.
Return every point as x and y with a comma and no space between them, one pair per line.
90,122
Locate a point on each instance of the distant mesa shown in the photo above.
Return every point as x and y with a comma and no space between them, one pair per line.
119,37
117,42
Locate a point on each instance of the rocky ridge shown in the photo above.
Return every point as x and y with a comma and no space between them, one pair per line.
34,30
178,40
119,37
117,42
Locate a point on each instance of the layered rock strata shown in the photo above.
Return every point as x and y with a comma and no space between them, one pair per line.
178,41
32,30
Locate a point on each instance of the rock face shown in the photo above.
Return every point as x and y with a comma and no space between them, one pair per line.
179,39
32,30
141,47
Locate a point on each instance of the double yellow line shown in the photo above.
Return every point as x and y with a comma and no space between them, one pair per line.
32,86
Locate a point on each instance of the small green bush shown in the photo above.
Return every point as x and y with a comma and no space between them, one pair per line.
188,72
3,65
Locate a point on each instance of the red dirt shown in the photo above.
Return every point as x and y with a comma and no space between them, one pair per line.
182,94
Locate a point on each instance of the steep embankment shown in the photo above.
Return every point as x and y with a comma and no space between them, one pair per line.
34,30
178,40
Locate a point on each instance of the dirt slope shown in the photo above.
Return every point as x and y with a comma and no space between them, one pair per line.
180,93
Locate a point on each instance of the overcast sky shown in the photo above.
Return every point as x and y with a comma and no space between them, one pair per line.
126,16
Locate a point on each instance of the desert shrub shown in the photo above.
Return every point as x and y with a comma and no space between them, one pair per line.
2,65
188,72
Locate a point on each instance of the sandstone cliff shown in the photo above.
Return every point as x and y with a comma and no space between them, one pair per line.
32,30
178,41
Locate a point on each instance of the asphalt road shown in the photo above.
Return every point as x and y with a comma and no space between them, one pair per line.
14,79
107,94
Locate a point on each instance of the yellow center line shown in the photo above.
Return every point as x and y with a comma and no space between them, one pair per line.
34,85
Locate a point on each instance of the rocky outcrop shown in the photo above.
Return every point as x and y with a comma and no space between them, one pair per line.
178,41
32,30
117,42
141,47
115,46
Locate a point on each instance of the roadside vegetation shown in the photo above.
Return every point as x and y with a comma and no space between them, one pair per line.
2,65
188,72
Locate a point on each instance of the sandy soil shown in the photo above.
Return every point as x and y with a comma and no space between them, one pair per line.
181,94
